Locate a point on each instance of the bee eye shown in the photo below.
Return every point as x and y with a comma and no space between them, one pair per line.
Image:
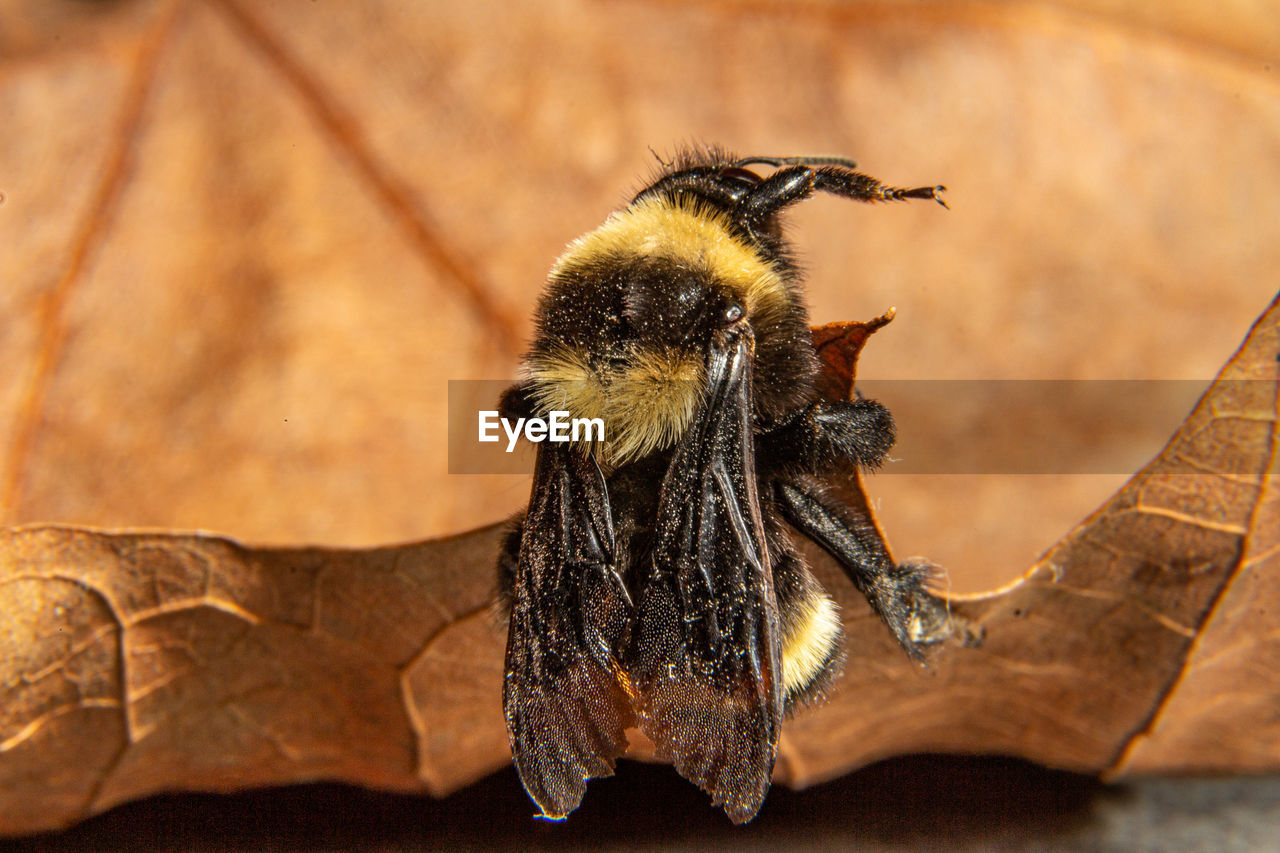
732,314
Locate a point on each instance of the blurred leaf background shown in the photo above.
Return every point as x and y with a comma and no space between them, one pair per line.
243,247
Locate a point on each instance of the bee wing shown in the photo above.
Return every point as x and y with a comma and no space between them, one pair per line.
704,654
565,709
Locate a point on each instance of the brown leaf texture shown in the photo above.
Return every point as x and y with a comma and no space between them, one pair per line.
138,663
246,245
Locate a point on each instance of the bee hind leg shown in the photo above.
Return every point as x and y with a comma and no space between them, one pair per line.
897,592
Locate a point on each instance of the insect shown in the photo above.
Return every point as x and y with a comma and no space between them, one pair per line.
653,580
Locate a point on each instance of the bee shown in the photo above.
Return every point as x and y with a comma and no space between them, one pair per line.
653,580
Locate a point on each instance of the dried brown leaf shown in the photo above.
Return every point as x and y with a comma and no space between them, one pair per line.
146,662
137,663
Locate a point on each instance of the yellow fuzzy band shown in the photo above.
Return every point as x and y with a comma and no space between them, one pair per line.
808,645
647,406
692,234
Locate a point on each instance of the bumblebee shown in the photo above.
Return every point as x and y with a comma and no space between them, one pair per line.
653,580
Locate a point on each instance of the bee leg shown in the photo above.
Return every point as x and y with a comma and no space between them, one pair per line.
896,592
791,184
825,437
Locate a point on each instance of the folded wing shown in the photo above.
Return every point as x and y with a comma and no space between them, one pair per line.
566,710
704,654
